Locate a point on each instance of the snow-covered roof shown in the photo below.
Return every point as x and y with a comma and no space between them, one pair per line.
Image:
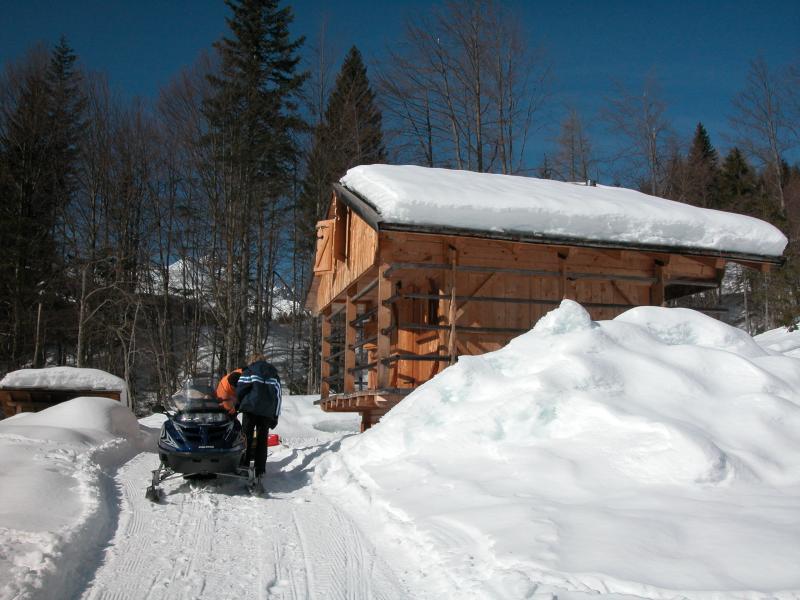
406,195
63,378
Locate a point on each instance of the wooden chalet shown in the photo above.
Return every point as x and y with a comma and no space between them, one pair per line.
400,300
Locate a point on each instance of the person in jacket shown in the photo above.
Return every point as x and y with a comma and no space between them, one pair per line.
258,393
226,390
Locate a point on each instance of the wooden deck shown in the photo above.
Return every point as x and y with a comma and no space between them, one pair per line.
372,404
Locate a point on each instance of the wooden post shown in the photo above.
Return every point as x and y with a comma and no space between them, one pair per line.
452,315
349,341
325,352
384,343
657,289
563,285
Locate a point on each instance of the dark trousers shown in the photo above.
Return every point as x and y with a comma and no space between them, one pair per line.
260,426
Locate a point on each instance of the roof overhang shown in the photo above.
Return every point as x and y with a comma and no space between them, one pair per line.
367,211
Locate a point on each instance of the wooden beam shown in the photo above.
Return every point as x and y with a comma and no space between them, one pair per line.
657,288
325,352
365,290
760,267
466,299
704,283
419,357
452,315
515,300
622,293
349,341
384,344
365,342
363,318
643,279
459,328
709,261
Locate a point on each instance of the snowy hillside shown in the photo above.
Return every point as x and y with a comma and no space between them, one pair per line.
656,455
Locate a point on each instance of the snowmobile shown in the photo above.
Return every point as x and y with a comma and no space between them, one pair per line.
199,438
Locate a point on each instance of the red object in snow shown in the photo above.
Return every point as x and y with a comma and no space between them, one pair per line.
273,439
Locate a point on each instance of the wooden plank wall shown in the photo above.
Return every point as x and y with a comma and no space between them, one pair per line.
390,279
473,252
362,244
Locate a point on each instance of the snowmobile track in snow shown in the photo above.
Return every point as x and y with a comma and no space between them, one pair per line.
212,540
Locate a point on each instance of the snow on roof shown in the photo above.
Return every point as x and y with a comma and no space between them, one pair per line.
411,195
653,455
63,378
66,378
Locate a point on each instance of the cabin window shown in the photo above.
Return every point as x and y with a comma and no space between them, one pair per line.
323,263
341,230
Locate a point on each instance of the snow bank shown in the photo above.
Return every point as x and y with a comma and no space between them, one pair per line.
656,455
66,378
303,422
781,341
487,202
57,499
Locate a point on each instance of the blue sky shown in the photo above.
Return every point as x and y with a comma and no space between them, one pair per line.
699,50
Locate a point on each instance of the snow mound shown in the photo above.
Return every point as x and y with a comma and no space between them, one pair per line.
781,340
655,454
80,420
679,326
57,497
407,194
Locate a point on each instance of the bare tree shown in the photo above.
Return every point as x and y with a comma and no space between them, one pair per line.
761,120
464,88
640,124
573,160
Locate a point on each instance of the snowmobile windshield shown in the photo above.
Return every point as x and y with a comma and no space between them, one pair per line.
196,397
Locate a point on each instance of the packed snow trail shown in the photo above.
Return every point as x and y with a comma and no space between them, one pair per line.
210,539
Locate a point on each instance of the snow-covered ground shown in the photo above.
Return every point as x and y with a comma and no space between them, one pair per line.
58,500
653,456
781,340
656,455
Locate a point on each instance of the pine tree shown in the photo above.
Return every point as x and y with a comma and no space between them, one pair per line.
253,125
738,184
349,135
67,119
702,171
66,112
353,121
28,205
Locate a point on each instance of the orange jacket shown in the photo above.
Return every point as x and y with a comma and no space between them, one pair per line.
226,393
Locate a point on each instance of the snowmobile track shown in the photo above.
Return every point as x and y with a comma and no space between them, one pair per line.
211,539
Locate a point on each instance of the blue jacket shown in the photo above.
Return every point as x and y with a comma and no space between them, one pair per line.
259,391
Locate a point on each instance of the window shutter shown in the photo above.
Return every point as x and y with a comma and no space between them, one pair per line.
323,262
340,231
